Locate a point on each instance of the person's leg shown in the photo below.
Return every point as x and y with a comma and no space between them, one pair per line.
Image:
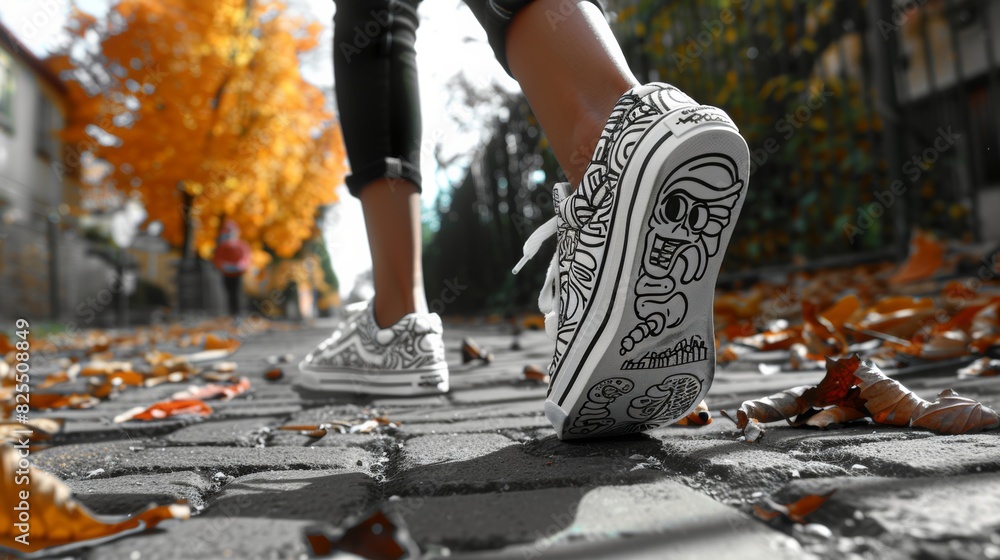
379,106
232,284
392,219
572,72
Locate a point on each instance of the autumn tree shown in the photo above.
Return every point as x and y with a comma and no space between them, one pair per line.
197,101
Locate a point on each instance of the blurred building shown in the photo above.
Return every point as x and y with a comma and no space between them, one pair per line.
35,187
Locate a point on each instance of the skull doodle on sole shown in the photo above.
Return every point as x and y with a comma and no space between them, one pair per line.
692,209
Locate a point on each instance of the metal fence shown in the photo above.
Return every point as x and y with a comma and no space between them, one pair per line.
864,118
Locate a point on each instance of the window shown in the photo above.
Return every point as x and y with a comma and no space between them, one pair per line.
6,91
45,138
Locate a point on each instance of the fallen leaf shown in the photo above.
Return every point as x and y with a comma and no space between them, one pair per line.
535,373
780,406
772,340
796,511
954,414
834,415
213,342
35,431
925,260
49,401
371,425
861,389
214,391
381,536
166,409
114,383
100,367
700,416
472,352
898,317
887,400
58,523
983,367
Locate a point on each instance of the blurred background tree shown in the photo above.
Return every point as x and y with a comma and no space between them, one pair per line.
199,108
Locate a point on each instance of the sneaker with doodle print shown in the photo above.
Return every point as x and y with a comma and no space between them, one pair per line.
628,295
404,359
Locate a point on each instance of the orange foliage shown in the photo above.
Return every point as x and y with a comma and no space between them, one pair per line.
207,97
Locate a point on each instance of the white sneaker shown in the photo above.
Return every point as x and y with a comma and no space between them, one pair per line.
359,357
628,296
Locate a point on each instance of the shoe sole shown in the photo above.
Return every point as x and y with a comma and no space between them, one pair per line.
619,373
416,382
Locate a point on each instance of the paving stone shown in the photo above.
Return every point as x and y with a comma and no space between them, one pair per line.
324,495
78,430
242,408
212,538
244,433
492,468
409,402
74,461
918,456
742,467
469,412
484,521
924,517
660,519
320,414
510,393
124,495
429,450
473,426
965,506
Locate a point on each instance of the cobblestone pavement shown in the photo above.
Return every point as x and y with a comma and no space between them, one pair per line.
479,473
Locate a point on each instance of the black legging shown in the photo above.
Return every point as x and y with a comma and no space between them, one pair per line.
233,285
375,69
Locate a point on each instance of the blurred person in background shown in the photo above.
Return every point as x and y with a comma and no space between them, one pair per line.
656,183
232,258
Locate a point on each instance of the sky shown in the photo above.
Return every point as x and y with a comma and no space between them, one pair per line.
449,42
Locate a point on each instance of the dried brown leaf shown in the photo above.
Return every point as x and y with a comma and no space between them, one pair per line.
57,521
954,414
780,406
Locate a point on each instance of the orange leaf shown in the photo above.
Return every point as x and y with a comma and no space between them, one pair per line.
49,401
535,373
925,260
56,519
838,313
213,342
472,352
700,416
836,386
795,511
166,409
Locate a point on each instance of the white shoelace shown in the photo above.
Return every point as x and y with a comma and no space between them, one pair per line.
550,288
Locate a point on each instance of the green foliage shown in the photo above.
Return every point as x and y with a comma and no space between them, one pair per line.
795,76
